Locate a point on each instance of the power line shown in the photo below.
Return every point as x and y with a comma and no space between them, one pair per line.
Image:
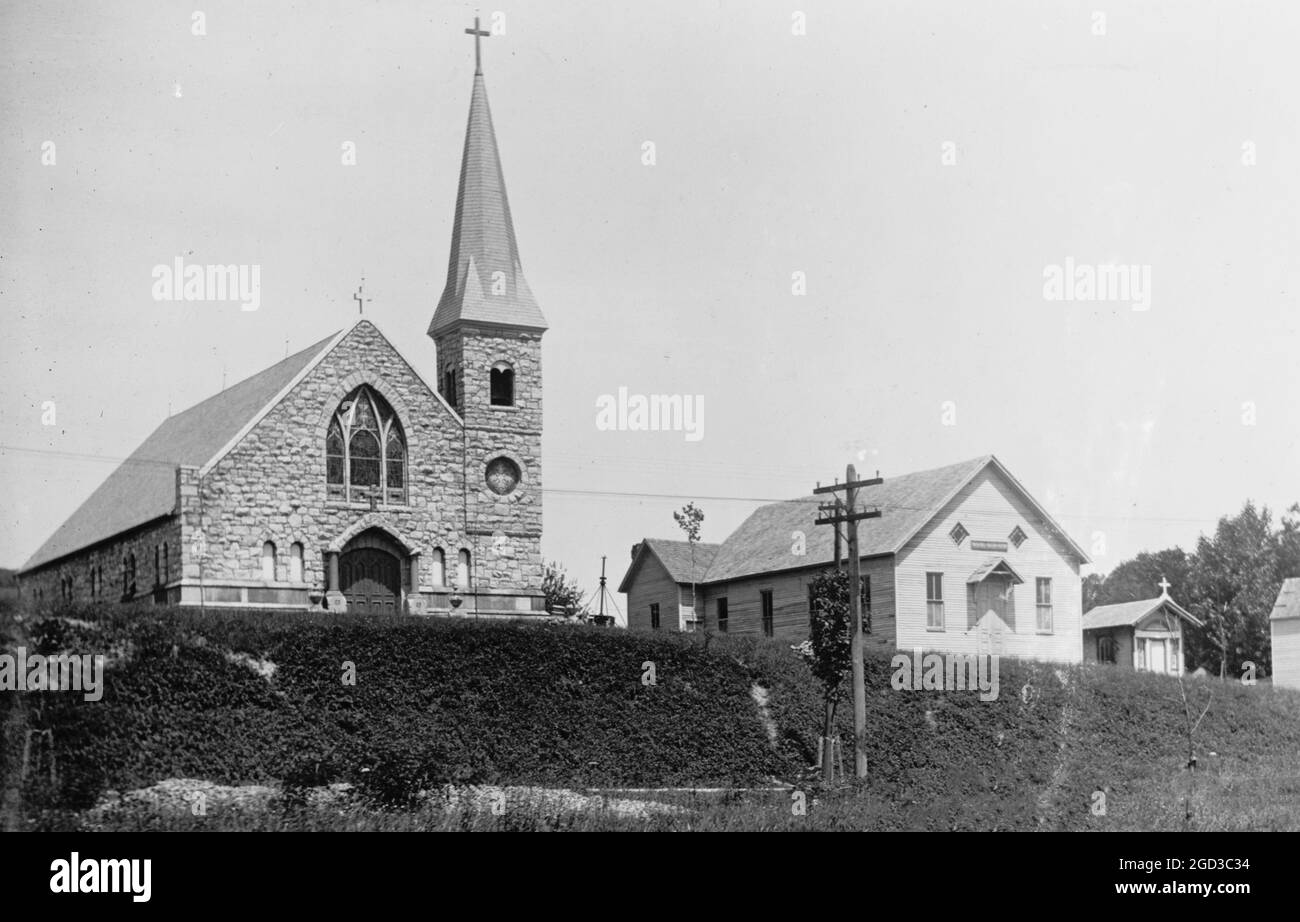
627,494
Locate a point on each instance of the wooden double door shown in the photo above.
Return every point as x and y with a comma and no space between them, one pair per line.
371,580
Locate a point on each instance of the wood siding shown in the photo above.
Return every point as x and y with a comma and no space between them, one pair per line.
1286,653
653,585
1123,637
989,508
790,603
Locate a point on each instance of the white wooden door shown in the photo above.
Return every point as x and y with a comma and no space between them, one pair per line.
1156,654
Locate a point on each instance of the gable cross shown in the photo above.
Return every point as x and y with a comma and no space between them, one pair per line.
361,301
1164,585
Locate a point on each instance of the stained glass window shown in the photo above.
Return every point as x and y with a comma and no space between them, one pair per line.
365,451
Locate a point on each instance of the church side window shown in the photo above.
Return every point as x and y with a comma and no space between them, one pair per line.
268,560
335,458
462,569
395,466
439,564
167,570
449,386
503,385
295,562
365,451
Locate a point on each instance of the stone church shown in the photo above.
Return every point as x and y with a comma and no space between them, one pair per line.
340,477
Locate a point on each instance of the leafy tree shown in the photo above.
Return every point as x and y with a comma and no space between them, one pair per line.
1235,584
1140,578
688,520
1288,544
829,649
1092,585
562,593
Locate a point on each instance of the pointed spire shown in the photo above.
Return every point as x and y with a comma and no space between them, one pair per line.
485,279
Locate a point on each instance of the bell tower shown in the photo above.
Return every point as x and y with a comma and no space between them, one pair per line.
488,332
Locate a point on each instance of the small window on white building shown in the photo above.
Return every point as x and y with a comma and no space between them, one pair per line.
934,601
268,561
1018,536
1044,589
295,562
958,533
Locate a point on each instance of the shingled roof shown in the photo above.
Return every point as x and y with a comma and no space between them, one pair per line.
763,542
143,487
1288,601
676,559
483,237
1127,614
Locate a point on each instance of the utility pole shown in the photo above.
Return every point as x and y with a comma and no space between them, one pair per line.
602,619
600,616
848,514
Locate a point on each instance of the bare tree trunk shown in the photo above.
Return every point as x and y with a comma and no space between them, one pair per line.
1191,750
828,746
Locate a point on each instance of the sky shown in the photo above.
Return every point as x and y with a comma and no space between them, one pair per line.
920,166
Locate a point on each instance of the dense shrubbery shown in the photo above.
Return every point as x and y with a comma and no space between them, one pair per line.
434,702
460,702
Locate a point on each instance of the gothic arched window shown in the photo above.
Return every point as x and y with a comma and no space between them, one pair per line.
365,450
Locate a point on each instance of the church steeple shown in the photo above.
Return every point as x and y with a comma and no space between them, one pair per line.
485,280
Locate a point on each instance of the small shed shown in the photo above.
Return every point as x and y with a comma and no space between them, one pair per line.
1285,628
1146,635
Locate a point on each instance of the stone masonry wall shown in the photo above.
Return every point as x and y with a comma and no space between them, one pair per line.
272,485
510,526
44,585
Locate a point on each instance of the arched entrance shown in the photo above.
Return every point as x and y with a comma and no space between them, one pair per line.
370,574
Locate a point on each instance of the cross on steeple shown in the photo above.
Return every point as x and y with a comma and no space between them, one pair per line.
361,301
1164,585
477,33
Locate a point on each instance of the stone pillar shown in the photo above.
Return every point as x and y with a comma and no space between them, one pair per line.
416,604
334,598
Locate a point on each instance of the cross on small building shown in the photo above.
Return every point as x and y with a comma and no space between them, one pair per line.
478,34
1164,585
361,301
